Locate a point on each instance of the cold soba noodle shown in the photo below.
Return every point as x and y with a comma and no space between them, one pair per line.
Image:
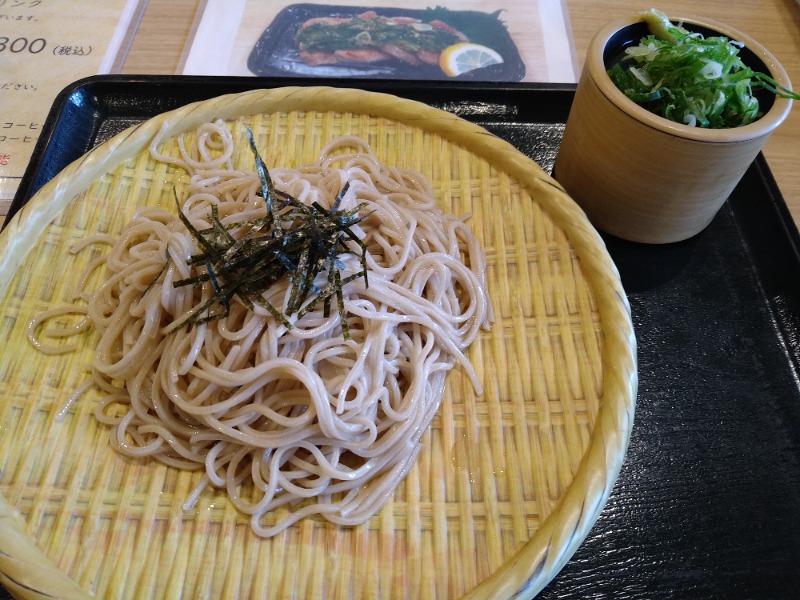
286,412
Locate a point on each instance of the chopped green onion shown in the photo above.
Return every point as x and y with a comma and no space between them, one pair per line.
692,79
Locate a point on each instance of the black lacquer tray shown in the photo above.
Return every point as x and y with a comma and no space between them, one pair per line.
708,501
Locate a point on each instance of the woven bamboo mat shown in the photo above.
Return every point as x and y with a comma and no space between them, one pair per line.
508,483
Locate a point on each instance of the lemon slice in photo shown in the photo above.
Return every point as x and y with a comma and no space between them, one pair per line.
466,56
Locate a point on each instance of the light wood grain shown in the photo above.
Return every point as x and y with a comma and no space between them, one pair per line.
775,23
167,25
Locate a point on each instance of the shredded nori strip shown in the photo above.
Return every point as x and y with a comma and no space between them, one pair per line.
292,240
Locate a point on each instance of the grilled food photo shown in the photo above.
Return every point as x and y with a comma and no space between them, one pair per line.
370,37
319,40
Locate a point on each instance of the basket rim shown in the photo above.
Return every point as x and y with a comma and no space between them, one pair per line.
29,573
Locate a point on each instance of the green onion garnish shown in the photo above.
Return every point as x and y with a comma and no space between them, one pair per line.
691,79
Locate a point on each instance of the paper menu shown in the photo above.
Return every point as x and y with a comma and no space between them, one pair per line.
44,46
249,37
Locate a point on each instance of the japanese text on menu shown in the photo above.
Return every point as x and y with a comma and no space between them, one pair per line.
45,45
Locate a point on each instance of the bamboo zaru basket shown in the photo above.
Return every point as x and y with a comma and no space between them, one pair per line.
508,484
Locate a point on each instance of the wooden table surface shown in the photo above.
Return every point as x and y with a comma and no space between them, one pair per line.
167,25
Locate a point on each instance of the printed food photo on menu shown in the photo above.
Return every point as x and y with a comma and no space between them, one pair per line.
318,40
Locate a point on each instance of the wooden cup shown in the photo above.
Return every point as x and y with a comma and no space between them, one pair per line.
645,178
